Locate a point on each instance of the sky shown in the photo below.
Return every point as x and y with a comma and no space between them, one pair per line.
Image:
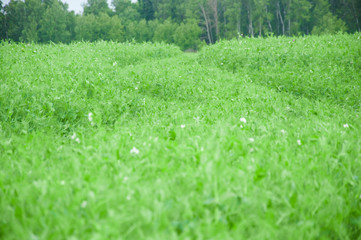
74,5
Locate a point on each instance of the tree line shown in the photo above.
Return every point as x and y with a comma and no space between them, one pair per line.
186,23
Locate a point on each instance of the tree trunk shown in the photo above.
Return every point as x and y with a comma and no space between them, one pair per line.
224,21
268,21
281,18
260,28
355,15
214,6
206,23
289,18
239,22
250,22
278,23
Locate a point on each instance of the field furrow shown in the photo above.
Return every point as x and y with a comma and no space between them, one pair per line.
174,146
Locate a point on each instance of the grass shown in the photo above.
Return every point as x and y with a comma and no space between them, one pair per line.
291,171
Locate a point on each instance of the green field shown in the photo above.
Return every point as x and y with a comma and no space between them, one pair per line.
246,139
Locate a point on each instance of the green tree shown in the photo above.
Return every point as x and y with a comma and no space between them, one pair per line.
300,16
34,13
14,19
53,24
2,22
126,10
84,28
164,31
250,8
329,24
232,18
116,31
141,31
187,35
349,11
170,9
324,22
146,9
161,20
96,7
109,28
260,16
71,24
103,27
354,7
205,16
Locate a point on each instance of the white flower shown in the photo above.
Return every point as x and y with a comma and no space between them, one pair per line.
114,63
299,142
345,125
183,126
241,126
283,131
136,88
251,139
73,136
129,197
125,179
83,204
91,194
134,150
90,117
62,182
197,119
243,120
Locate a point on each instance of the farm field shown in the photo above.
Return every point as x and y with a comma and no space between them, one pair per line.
246,139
